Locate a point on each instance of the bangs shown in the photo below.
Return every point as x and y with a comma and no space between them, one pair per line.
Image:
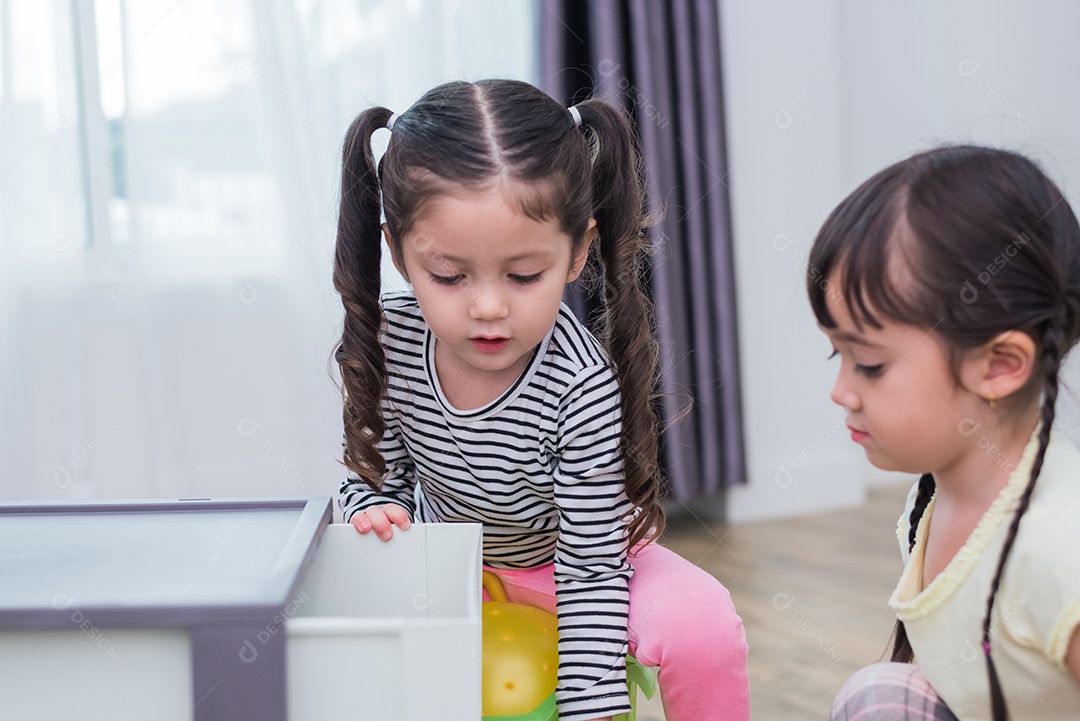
866,244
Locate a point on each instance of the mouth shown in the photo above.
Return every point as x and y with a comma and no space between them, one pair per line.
489,345
857,435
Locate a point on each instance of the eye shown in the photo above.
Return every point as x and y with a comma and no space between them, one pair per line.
447,279
833,354
870,371
525,279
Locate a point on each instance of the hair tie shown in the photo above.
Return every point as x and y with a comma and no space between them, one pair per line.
391,121
575,114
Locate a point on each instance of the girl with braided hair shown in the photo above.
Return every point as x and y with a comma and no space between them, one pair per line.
949,285
476,396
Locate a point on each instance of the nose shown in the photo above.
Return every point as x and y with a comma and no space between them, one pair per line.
488,301
843,394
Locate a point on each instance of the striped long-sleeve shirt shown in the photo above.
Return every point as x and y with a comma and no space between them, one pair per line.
539,467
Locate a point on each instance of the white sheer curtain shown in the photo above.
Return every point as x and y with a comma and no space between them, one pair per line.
168,180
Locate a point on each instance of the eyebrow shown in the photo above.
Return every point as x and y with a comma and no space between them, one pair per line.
535,255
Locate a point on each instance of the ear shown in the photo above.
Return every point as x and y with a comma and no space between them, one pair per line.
1001,367
399,263
581,253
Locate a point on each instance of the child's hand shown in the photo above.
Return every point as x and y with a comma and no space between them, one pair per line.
382,519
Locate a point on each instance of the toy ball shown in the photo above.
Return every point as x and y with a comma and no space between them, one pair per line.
520,660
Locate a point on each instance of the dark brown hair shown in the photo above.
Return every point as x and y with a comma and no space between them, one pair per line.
969,242
473,135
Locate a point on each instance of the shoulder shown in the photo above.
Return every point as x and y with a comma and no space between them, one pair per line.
1059,481
400,303
1043,554
1052,521
403,329
573,347
577,372
576,365
402,312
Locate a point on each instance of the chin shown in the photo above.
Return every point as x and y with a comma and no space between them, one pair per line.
886,463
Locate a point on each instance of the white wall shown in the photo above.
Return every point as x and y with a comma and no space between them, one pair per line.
818,97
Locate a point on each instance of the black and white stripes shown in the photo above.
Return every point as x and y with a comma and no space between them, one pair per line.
540,467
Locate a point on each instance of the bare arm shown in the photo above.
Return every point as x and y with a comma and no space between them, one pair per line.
1072,656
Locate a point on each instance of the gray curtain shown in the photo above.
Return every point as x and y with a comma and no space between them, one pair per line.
661,59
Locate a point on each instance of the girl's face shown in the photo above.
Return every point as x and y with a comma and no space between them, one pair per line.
489,281
903,404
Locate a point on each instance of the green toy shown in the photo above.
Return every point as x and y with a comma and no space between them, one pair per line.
521,661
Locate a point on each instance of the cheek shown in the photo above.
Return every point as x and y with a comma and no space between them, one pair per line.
913,411
436,305
536,318
927,387
554,297
913,431
541,297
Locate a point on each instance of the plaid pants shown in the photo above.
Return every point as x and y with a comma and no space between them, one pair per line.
889,692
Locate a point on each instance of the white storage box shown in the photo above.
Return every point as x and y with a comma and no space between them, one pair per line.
388,631
234,610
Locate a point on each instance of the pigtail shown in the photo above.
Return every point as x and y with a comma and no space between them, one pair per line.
902,651
627,327
357,264
1051,359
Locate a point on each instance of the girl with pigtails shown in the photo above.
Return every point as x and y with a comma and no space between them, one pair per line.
951,296
476,396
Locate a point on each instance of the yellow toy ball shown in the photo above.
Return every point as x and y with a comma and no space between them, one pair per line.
521,658
521,661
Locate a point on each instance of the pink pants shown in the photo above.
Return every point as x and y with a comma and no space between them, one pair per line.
682,620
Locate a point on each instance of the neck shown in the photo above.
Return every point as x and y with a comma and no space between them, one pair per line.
467,388
980,473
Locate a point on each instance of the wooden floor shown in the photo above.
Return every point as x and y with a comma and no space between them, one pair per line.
812,594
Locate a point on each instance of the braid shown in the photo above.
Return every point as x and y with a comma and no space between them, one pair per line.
357,264
922,500
1051,359
902,651
627,322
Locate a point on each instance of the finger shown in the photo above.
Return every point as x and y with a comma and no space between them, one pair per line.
361,522
398,516
380,523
